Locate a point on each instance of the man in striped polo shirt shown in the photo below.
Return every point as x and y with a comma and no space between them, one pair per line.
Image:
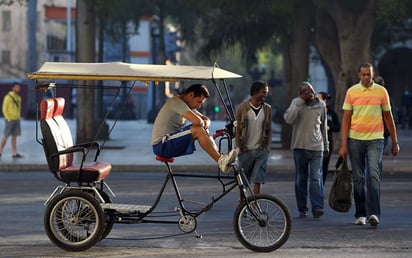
365,107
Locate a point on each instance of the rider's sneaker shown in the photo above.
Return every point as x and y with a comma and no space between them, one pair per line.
226,159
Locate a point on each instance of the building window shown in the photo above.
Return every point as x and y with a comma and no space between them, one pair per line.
5,57
6,20
55,43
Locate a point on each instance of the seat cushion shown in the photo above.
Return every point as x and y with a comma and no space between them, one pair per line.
94,171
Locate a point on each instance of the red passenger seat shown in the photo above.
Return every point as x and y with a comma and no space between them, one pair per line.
60,151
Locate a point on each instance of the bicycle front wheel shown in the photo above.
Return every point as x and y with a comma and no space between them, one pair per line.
262,223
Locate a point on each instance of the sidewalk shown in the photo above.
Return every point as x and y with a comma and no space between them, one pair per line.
129,149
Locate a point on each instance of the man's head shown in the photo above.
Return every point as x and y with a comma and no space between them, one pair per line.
306,91
16,87
259,91
195,95
366,74
323,96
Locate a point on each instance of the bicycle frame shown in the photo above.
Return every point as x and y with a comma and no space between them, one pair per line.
227,182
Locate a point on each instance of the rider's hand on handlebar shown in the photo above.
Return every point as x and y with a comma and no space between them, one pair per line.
218,133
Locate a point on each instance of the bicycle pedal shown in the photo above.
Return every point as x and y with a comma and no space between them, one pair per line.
197,235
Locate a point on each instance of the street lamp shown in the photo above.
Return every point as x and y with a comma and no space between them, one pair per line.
154,36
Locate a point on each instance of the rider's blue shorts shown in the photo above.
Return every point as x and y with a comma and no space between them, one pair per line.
176,144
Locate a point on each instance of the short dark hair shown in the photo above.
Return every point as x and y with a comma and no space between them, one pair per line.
257,86
198,90
325,96
303,85
363,65
14,84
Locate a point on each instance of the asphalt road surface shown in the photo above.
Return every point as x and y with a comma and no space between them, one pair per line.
22,195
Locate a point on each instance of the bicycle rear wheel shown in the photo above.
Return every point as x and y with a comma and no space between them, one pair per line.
262,223
74,221
108,224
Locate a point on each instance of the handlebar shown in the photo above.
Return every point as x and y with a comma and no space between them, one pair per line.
219,133
229,129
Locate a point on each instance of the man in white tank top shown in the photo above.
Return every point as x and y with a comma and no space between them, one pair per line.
254,134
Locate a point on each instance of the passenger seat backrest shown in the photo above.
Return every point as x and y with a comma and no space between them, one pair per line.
56,134
64,127
46,109
49,131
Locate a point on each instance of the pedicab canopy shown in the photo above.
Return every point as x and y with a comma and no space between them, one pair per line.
128,72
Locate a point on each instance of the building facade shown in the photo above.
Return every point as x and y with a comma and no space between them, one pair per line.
55,41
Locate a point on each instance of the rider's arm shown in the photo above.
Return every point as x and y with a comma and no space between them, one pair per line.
195,118
204,118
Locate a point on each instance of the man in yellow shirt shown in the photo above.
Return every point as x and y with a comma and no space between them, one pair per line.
365,109
11,111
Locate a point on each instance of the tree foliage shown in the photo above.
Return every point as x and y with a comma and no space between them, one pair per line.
393,24
342,31
118,14
220,25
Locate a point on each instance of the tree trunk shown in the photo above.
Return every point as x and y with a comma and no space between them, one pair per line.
344,36
327,44
85,53
296,58
343,41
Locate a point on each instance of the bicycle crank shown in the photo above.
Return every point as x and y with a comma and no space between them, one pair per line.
187,223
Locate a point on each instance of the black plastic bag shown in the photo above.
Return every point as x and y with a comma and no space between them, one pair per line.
340,195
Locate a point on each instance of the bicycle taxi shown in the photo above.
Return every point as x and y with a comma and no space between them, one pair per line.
80,212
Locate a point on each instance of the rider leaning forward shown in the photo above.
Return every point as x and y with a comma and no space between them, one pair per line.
172,138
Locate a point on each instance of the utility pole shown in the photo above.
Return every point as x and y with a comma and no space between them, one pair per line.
32,57
154,37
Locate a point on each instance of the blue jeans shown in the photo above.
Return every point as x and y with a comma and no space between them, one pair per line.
254,164
308,165
366,161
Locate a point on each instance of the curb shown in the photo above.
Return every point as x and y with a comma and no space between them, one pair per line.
285,169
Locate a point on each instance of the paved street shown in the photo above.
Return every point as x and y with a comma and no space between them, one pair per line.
22,235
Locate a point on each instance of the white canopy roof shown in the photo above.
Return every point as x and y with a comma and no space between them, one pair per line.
128,72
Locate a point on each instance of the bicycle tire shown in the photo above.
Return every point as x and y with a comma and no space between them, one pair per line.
263,229
74,221
108,225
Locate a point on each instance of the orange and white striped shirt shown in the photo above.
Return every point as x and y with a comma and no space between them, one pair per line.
366,105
